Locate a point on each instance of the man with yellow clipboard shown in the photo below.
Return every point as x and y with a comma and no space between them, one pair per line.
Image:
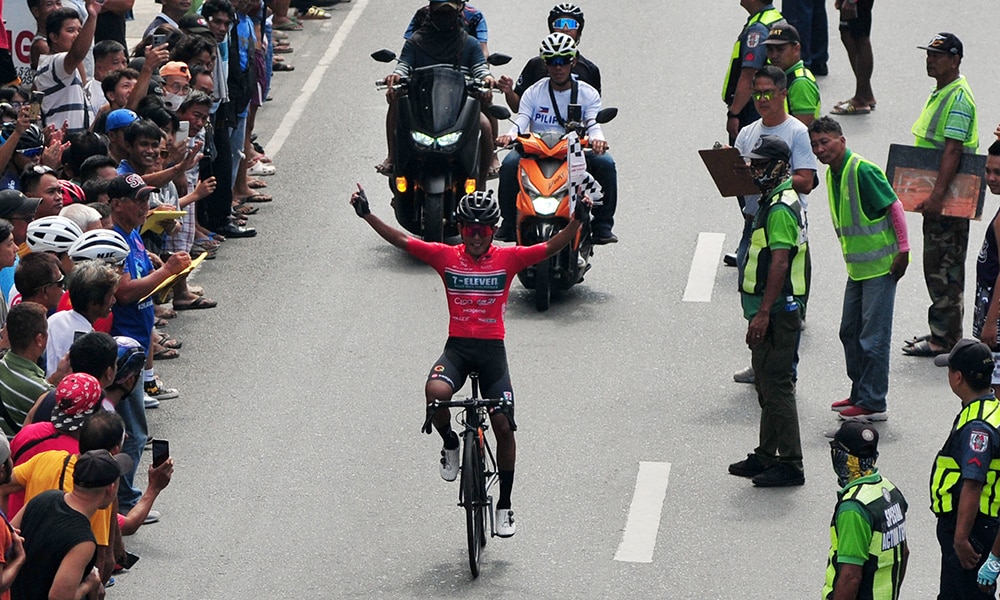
133,310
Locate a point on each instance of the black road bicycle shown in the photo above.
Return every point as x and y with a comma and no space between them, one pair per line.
479,466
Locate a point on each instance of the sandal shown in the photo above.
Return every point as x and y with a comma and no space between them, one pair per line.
314,13
261,170
289,25
161,353
196,304
850,110
280,66
256,184
245,210
168,342
257,198
924,348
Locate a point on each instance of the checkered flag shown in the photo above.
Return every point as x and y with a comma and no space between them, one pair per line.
590,187
581,182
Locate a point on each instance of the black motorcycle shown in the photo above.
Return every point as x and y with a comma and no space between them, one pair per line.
436,157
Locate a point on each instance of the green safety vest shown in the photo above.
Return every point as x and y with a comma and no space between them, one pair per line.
754,275
930,126
869,245
947,473
767,18
886,509
792,76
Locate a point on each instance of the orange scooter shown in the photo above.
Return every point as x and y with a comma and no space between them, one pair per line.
543,209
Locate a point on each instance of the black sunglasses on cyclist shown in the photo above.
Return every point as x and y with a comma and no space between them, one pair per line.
565,23
558,61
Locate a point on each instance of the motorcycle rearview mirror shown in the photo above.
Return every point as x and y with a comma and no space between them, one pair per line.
498,112
496,59
606,114
384,55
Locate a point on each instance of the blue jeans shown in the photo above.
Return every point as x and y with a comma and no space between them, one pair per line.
132,410
809,18
866,332
601,166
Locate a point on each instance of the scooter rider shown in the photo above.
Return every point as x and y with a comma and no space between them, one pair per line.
563,18
544,107
440,41
477,277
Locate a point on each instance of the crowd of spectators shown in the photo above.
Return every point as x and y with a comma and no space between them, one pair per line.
122,168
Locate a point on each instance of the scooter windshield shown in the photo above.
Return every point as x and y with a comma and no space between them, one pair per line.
437,95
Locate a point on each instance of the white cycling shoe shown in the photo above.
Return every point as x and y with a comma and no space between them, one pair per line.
449,463
505,523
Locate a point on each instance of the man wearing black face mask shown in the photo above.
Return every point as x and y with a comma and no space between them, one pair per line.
868,548
440,40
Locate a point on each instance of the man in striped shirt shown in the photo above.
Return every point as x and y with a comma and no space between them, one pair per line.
22,381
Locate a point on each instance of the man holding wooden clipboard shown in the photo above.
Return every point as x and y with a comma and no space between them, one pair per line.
948,123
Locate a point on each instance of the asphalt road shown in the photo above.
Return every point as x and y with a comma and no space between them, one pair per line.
300,469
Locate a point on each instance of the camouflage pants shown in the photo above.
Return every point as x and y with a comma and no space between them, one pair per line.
946,240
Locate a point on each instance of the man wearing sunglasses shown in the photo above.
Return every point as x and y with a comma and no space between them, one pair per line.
545,107
477,277
563,18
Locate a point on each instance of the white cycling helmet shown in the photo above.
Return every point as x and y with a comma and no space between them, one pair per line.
52,234
557,45
101,244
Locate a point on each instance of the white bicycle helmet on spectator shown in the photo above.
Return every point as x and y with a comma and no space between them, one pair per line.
101,244
52,234
557,45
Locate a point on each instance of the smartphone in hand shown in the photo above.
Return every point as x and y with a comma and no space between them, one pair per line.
161,452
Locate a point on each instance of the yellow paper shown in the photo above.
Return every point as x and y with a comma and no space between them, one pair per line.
161,290
155,219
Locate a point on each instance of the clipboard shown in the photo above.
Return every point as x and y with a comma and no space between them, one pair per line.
729,172
912,172
161,290
155,218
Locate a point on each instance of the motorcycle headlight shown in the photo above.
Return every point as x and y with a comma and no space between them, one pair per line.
545,205
422,139
449,139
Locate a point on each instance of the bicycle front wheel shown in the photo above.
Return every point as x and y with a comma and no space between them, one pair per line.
472,492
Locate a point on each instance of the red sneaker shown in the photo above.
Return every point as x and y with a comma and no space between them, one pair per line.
856,413
840,405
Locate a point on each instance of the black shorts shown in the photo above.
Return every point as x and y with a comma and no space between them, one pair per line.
860,27
488,358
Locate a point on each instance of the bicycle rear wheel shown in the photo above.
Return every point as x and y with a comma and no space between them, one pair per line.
472,492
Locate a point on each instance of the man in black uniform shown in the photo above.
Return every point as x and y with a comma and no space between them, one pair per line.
964,483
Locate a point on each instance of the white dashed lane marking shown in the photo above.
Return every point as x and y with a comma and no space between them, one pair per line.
643,523
704,265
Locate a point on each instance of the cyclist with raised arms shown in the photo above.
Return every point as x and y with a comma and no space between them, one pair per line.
477,277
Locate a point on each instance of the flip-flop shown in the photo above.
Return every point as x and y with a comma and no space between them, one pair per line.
923,348
199,303
850,110
246,210
258,198
917,339
256,184
314,13
165,354
289,26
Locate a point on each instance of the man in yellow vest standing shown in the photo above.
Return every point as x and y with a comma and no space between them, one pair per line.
749,54
868,548
774,285
964,481
785,52
869,221
947,123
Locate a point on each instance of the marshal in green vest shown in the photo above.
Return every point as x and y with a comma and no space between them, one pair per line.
929,129
884,509
869,245
766,18
947,473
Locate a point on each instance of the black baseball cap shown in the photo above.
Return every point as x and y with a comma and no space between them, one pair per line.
945,43
771,147
972,358
98,468
859,439
782,33
13,203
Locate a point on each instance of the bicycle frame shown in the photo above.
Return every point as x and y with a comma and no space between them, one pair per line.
481,475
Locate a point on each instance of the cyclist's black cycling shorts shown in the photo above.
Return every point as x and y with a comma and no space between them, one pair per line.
488,358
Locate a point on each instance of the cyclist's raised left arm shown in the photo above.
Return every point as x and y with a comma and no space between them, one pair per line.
389,233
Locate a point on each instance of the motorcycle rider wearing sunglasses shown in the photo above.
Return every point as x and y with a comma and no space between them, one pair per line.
477,277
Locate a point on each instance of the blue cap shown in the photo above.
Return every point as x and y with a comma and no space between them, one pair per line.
120,118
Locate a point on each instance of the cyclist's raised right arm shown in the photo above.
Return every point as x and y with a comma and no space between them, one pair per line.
389,233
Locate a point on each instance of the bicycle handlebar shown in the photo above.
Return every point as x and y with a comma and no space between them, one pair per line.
466,403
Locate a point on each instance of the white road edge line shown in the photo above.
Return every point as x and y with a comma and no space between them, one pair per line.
312,82
704,265
643,523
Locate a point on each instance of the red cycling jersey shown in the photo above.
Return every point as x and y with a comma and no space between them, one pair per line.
477,289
